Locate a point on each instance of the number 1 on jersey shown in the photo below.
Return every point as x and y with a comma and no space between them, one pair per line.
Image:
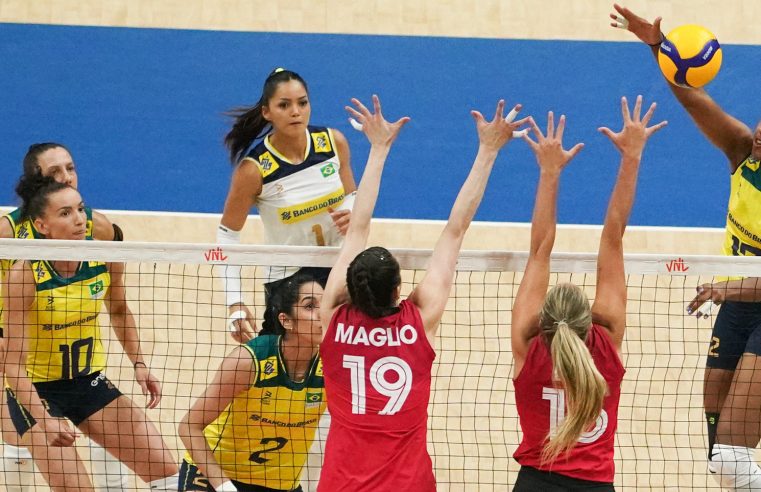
396,391
556,398
319,237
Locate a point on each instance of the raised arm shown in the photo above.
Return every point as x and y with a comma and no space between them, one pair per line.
104,229
381,135
432,293
730,135
18,294
342,216
234,376
245,186
552,159
125,329
609,308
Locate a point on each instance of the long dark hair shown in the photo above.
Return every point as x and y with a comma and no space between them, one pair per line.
34,191
371,278
31,159
282,299
250,124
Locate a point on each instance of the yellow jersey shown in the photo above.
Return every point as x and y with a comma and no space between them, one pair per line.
23,228
64,334
743,231
263,436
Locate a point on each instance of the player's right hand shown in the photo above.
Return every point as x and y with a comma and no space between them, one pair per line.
648,33
374,125
59,433
713,293
243,329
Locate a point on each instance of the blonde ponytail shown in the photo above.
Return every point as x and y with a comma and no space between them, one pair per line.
566,319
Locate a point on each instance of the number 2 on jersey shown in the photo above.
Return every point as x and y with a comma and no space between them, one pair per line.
396,391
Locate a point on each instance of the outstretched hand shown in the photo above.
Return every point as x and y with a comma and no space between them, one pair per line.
648,33
630,141
501,129
374,125
549,151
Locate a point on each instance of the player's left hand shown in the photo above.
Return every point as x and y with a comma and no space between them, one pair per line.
548,149
150,386
716,293
631,140
341,219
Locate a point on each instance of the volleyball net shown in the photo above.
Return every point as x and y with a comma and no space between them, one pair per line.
178,303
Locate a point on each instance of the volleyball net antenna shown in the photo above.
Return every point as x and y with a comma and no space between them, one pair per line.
178,302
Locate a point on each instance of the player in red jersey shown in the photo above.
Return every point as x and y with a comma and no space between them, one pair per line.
377,352
568,369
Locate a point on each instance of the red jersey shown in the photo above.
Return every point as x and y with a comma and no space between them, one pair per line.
378,383
541,406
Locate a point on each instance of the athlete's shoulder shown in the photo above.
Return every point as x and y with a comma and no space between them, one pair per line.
266,162
256,150
264,346
20,227
322,140
6,227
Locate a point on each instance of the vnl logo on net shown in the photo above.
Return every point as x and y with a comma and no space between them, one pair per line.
215,255
677,265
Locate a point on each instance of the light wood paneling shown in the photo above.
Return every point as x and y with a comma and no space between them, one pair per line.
535,19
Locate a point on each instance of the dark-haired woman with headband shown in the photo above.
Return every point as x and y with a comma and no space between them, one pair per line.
51,159
378,351
298,176
251,429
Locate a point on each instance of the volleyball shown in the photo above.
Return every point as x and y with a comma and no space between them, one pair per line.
690,56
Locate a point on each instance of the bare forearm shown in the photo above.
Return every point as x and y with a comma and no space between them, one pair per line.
126,332
471,193
544,219
368,191
744,290
195,442
24,389
622,198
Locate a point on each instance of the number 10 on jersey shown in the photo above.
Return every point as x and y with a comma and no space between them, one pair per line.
396,390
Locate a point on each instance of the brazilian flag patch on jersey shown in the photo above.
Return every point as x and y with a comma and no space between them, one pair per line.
328,170
96,289
313,399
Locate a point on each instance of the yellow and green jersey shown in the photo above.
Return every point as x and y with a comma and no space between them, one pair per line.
743,232
63,330
23,228
264,435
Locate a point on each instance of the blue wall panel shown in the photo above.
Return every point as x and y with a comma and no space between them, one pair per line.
141,110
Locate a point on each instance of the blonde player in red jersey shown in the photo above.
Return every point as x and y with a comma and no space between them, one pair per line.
378,352
568,369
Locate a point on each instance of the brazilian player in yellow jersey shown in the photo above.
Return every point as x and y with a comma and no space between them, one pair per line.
50,159
733,366
54,357
252,428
